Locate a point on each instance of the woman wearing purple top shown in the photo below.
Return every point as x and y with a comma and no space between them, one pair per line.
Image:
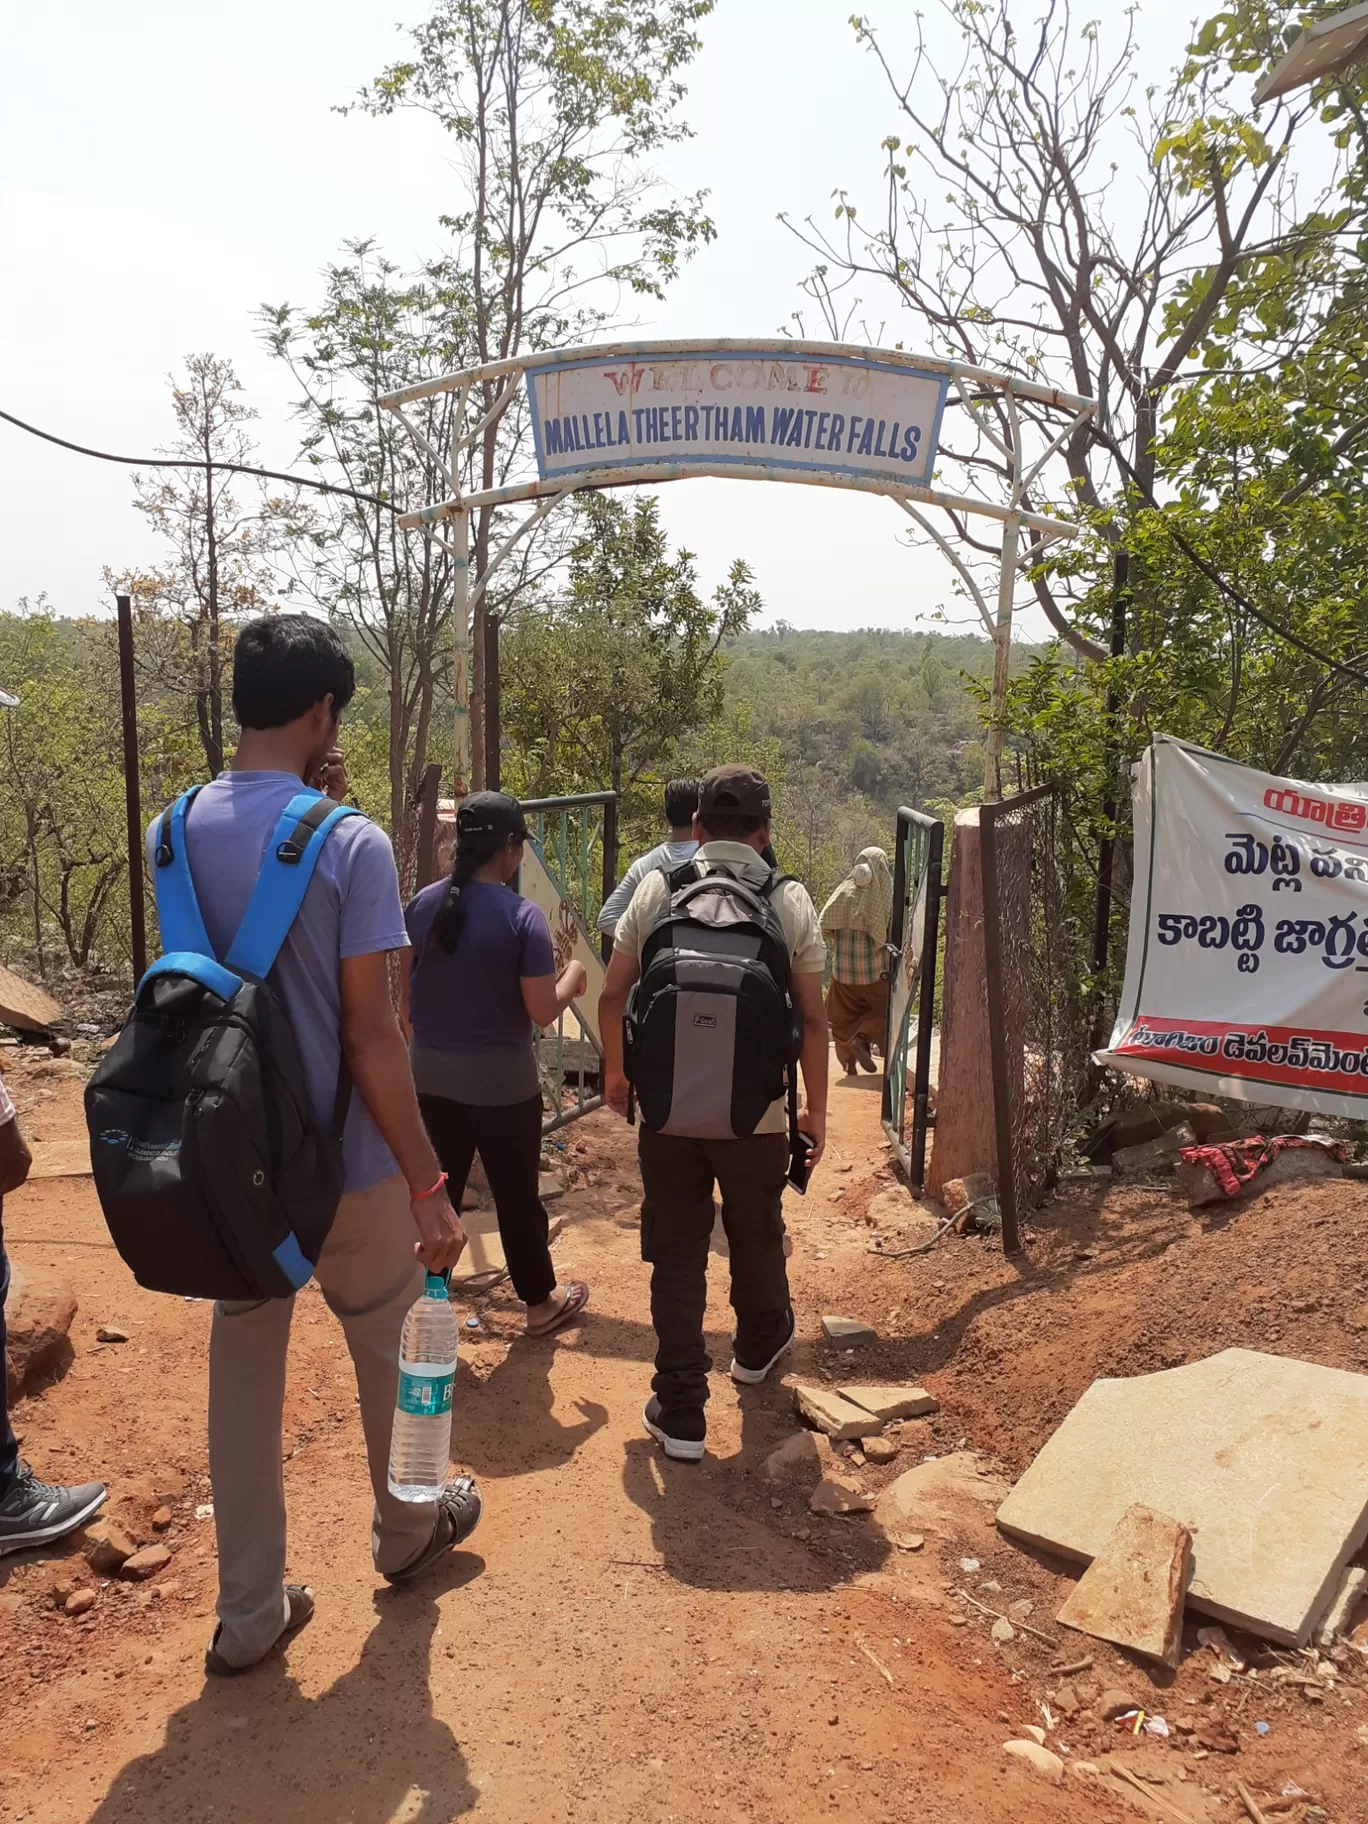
480,973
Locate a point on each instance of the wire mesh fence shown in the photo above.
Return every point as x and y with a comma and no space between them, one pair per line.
562,872
1035,951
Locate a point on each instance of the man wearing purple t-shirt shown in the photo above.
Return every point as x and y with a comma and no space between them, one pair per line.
292,679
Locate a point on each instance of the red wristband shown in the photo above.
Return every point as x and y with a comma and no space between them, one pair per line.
432,1190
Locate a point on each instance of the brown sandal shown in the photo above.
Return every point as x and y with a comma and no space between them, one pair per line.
576,1298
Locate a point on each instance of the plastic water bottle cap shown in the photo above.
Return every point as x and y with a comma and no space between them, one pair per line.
436,1286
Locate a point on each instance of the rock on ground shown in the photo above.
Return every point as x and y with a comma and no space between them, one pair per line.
837,1417
1039,1760
934,1497
848,1331
38,1317
839,1495
1159,1155
147,1562
108,1547
1339,1617
1132,1593
1295,1165
807,1454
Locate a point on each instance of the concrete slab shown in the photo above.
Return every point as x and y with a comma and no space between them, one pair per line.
1132,1593
1263,1459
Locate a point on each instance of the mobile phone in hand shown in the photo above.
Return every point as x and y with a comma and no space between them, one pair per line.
800,1168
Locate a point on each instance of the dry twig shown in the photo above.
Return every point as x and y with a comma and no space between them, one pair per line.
875,1661
1020,1626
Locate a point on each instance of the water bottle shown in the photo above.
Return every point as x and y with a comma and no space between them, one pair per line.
420,1444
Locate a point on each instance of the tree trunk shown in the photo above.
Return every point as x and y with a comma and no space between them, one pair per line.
32,833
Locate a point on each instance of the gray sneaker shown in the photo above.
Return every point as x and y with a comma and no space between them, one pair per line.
459,1507
35,1513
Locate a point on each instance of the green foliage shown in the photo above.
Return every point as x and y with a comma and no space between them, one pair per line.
602,685
63,865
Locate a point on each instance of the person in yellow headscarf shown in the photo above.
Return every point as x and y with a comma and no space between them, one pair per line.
855,923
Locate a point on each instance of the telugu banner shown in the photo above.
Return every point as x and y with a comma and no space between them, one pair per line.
845,415
1247,965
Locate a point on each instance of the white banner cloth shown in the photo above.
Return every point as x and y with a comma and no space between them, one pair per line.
1247,964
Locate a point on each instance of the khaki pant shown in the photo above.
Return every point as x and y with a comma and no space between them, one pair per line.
856,1011
370,1277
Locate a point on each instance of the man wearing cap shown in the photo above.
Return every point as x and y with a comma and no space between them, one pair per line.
678,1172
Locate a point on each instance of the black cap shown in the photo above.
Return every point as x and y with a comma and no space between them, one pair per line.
734,791
491,814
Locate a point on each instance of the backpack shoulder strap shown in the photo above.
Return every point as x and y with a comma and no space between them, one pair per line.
305,825
178,913
775,881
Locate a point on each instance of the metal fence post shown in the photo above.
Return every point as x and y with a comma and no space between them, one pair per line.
128,702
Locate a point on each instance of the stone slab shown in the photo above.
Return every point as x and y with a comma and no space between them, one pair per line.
25,1007
837,1417
1159,1155
60,1158
1132,1593
889,1403
848,1331
1339,1617
1263,1459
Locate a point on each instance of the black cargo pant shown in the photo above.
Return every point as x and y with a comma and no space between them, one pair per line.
677,1177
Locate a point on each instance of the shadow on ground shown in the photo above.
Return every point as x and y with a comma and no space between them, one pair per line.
257,1750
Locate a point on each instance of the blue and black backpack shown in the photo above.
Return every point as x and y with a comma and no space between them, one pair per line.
214,1177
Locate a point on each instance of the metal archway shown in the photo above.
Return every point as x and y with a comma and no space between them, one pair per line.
825,414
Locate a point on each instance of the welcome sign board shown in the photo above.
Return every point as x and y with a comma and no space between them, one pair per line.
1247,963
837,415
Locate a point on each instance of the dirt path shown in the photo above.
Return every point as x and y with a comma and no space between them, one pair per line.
630,1639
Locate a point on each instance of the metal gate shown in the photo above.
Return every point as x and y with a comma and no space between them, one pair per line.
911,971
1035,957
562,872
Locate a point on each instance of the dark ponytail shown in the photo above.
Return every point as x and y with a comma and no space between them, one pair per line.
473,850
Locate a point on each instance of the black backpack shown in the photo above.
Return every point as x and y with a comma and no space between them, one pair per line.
213,1175
712,1035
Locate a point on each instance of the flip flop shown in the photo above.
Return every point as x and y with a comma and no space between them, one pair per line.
576,1298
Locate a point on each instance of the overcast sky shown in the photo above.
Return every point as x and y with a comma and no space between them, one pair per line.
167,165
